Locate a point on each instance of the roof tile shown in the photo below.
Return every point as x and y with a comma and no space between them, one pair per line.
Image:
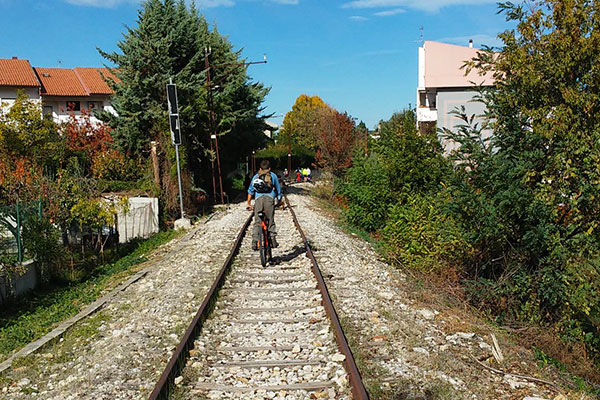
93,79
60,82
15,72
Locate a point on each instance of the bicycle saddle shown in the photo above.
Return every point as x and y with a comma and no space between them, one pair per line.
261,215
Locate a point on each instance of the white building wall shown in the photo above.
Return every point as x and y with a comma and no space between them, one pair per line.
9,94
60,113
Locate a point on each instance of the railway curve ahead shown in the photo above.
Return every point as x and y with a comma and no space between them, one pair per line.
265,332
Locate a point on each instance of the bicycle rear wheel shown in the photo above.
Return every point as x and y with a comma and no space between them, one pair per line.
263,250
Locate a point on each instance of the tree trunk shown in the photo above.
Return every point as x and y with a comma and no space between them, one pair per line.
156,169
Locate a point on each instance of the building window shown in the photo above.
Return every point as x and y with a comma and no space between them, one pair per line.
94,105
73,106
48,110
7,101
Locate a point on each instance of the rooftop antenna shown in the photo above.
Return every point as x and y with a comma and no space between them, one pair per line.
59,63
421,36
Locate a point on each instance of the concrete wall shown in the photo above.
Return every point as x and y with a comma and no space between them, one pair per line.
20,284
141,221
450,99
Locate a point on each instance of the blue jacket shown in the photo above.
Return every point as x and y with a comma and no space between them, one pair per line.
276,192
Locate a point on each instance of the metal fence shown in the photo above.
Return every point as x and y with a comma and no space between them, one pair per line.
12,219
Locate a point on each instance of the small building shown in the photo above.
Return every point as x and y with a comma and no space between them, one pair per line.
272,127
17,74
62,91
443,86
73,91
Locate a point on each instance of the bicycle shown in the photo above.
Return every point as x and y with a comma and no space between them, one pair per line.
264,241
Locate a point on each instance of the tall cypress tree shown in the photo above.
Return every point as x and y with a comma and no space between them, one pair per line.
169,41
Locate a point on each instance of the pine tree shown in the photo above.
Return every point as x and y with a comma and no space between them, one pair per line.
169,41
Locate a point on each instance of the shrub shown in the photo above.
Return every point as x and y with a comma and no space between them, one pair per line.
367,192
42,241
420,235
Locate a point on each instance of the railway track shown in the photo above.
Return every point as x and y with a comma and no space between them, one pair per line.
265,332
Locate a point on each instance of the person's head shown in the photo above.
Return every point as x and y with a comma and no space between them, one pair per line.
265,165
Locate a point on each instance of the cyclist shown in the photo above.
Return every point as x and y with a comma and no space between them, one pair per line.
264,186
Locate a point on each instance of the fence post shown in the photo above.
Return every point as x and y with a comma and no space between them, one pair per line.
40,208
19,243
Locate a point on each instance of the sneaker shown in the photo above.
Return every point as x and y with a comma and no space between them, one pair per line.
274,243
255,245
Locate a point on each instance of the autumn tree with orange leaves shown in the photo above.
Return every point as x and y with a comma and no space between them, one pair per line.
336,140
30,147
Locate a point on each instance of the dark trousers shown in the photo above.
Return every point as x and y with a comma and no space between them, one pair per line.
266,204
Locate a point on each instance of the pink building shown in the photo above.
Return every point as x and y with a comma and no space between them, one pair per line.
443,85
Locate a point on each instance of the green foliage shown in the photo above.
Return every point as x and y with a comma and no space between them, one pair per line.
402,163
30,147
169,41
94,213
412,160
278,155
302,124
368,193
42,241
420,235
527,196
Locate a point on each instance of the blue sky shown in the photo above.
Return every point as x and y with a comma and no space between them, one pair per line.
359,56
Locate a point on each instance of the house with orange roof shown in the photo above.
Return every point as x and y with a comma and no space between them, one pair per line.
62,91
17,74
443,86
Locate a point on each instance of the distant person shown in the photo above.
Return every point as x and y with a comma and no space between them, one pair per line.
308,174
298,175
264,186
286,173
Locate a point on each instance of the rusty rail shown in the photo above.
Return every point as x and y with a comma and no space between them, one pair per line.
177,362
359,392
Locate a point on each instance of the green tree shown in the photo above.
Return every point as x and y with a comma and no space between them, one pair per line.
400,165
528,195
169,41
30,147
302,124
413,161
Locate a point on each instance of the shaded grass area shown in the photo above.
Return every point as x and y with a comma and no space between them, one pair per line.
29,318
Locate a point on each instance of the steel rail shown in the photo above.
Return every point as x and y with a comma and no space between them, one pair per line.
177,362
359,392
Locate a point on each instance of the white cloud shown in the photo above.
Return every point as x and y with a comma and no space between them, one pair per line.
358,18
389,13
423,5
291,2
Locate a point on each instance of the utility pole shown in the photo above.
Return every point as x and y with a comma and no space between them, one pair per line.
207,52
214,135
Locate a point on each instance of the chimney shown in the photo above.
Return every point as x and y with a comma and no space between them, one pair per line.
470,43
15,58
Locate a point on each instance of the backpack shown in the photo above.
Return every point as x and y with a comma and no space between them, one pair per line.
263,183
